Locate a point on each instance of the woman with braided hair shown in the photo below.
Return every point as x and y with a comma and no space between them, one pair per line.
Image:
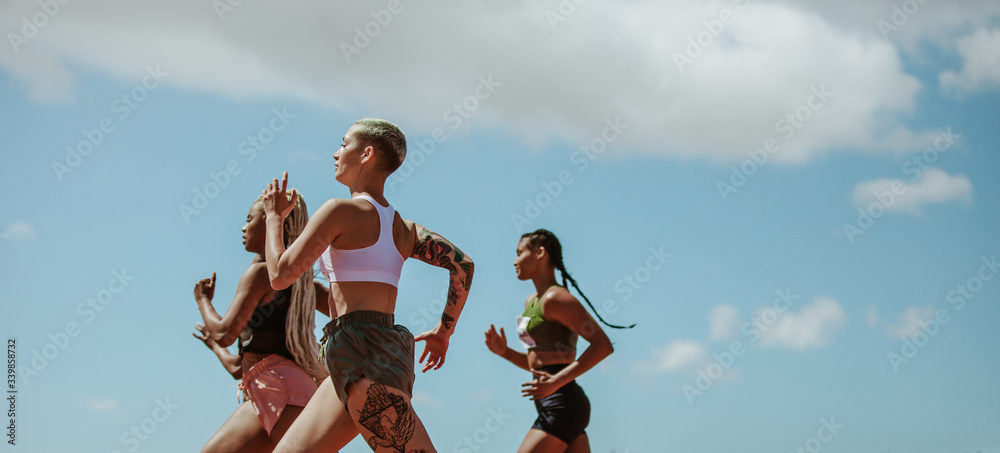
278,360
553,319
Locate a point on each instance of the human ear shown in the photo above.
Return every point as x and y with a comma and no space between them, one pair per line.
367,154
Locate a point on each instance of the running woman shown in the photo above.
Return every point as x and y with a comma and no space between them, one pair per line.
369,357
552,321
278,360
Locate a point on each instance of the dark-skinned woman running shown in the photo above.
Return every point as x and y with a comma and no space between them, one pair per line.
553,319
278,361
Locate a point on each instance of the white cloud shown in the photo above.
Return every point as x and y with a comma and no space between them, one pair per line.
425,399
909,322
723,322
606,60
981,70
101,405
19,231
935,186
813,327
674,356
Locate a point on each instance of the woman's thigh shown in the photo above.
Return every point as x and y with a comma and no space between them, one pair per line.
538,441
242,432
323,425
386,418
288,417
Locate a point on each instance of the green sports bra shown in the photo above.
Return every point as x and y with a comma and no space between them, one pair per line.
539,334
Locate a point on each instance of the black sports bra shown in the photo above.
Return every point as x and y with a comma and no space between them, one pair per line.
265,332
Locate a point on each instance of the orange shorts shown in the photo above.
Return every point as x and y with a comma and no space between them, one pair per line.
274,383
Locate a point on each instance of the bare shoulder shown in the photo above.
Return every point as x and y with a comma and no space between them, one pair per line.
560,299
410,226
339,205
255,270
255,277
335,213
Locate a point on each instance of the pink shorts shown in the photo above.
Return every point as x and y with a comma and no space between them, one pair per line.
274,383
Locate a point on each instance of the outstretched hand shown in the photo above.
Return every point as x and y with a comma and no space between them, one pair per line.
496,342
435,347
276,200
205,288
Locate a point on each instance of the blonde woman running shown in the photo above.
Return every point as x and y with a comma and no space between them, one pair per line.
369,357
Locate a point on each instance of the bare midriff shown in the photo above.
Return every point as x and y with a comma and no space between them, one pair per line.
538,359
349,297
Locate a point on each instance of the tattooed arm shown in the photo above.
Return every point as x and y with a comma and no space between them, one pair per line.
434,249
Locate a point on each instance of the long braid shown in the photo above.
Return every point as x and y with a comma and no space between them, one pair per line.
566,276
300,322
547,239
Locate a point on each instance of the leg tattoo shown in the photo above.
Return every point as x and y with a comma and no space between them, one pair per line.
388,417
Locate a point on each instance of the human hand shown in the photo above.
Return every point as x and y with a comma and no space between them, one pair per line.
496,342
209,342
435,347
276,200
205,288
542,386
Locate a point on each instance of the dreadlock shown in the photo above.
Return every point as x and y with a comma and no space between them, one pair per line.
301,319
547,239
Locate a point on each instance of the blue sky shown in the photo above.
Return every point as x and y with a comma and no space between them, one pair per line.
827,295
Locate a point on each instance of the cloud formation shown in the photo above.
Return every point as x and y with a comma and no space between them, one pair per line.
935,186
19,231
981,69
909,322
812,327
675,356
557,80
723,323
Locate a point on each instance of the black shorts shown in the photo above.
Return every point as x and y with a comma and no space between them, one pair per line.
565,413
368,344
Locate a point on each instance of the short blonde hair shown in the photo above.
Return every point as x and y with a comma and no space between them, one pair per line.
387,139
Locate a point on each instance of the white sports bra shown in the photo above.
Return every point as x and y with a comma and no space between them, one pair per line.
379,262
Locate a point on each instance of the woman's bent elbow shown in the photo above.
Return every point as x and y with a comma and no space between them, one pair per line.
278,283
607,349
226,340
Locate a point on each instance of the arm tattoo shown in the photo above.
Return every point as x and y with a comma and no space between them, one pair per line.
388,417
436,250
447,321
